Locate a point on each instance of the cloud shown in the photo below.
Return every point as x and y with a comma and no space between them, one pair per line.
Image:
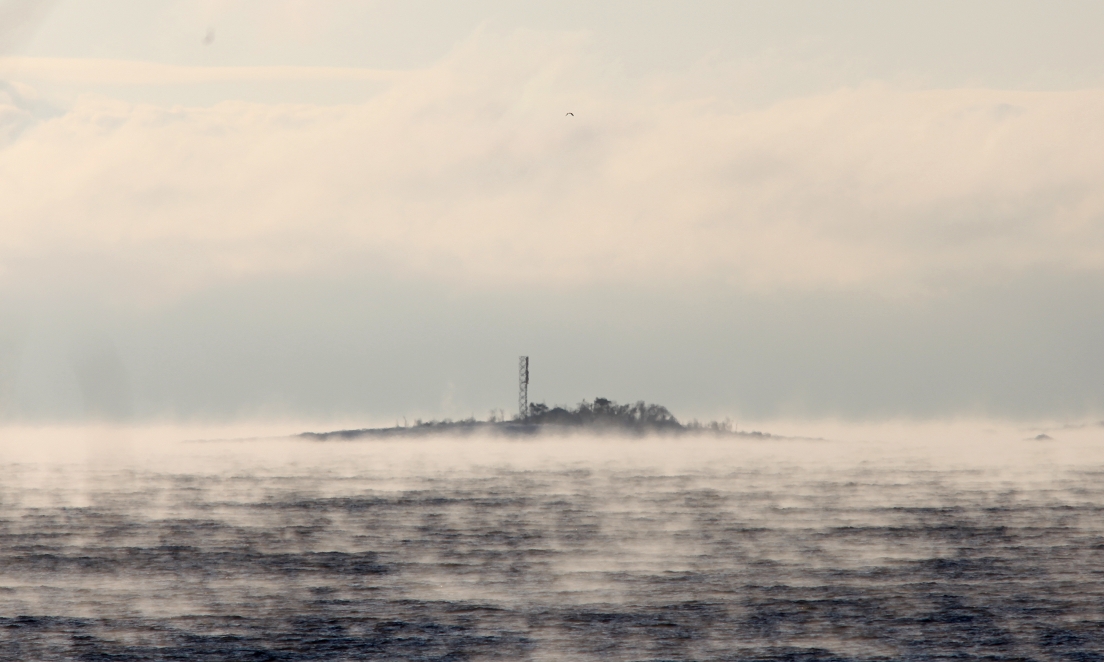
18,20
469,173
97,71
20,109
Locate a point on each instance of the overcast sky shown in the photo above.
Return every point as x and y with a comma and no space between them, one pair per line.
367,210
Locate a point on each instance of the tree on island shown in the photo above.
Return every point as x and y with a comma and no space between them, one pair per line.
605,413
601,415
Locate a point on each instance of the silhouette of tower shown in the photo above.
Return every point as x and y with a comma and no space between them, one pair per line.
523,387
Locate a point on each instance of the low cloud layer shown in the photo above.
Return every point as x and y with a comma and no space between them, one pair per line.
471,172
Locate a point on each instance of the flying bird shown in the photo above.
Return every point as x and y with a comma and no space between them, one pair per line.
572,114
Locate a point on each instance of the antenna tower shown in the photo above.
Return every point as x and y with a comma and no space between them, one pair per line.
523,387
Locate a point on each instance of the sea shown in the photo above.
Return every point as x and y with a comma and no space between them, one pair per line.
903,541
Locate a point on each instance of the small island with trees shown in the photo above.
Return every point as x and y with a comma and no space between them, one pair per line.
602,416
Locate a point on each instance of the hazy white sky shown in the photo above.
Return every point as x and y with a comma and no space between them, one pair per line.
369,209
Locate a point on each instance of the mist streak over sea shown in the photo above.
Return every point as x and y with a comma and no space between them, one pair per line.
119,545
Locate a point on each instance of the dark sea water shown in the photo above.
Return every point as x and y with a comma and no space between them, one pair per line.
582,549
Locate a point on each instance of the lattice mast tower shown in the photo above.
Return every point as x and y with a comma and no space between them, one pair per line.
523,387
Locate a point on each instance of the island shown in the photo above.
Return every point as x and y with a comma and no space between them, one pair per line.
602,416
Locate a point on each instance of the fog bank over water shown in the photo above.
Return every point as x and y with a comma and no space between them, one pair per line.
891,541
961,443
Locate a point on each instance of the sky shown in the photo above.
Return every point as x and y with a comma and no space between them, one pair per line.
365,211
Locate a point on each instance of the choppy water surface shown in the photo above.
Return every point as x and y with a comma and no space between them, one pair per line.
554,550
